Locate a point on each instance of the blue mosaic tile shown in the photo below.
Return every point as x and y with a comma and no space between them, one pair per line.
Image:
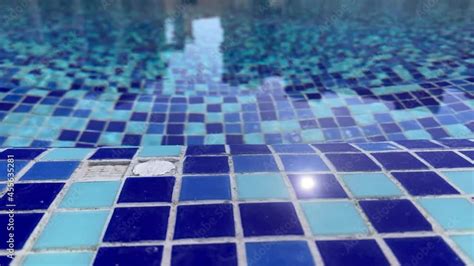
424,183
256,186
206,165
204,254
462,180
113,153
191,221
84,229
465,242
24,225
389,216
254,163
90,195
276,218
147,189
21,154
316,186
399,161
450,213
352,162
17,166
137,224
351,252
303,163
51,171
367,185
31,196
65,258
205,188
439,253
205,150
142,255
444,159
285,253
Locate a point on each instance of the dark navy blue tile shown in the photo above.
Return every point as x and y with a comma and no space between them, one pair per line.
51,170
113,153
303,163
424,183
399,161
249,149
317,186
254,163
36,196
418,144
264,219
457,143
282,253
5,166
200,221
24,224
69,135
116,126
205,149
137,224
147,189
96,125
351,252
444,159
206,165
390,216
21,154
205,188
352,162
5,260
129,256
423,251
204,254
335,147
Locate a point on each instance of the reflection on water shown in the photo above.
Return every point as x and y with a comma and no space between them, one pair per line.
199,46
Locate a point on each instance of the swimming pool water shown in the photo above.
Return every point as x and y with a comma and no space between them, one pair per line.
116,72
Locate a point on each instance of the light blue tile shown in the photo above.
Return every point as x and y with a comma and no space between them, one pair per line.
66,154
90,195
81,229
450,213
466,244
417,134
334,218
254,138
195,129
160,151
69,258
214,139
371,185
462,179
263,186
378,146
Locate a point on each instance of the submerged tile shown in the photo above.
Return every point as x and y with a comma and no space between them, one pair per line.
284,253
351,252
51,170
261,186
137,255
205,188
204,254
310,186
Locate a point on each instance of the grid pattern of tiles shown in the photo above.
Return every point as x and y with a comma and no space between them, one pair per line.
430,110
407,202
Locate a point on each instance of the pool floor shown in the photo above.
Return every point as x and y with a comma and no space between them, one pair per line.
294,204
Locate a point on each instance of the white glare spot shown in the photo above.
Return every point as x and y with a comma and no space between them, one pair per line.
307,183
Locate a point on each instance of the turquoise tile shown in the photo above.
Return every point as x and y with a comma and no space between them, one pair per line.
82,228
466,244
110,139
334,218
214,139
462,179
417,134
263,186
371,185
90,195
195,129
254,138
160,151
66,154
151,140
67,258
450,213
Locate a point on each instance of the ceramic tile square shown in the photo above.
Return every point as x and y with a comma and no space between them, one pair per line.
139,255
204,254
285,253
424,183
66,154
160,151
66,258
450,213
311,186
399,161
303,163
206,165
351,252
51,170
390,216
84,227
368,185
266,219
205,188
24,225
334,218
352,162
254,163
461,179
89,195
147,189
405,249
137,224
35,196
200,221
261,186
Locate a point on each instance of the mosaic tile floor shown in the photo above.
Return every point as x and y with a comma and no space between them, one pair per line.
380,203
